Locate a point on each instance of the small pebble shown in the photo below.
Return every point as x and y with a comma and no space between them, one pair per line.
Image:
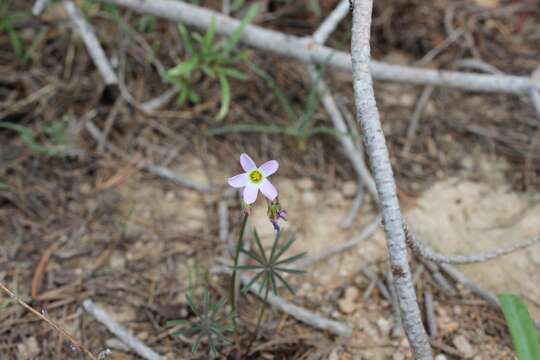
309,198
349,189
384,327
464,346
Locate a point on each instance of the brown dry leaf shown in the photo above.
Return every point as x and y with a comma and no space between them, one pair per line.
41,267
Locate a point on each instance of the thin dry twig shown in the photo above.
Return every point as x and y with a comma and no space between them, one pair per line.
535,98
356,205
308,51
415,118
54,325
440,281
475,288
92,43
331,22
39,7
123,334
423,251
157,170
380,284
367,114
366,233
430,314
354,153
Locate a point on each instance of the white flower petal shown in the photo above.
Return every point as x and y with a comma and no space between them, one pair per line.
268,189
239,180
269,167
247,163
250,193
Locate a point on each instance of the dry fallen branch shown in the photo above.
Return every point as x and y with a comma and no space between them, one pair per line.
368,115
307,317
423,251
308,51
355,153
127,337
92,43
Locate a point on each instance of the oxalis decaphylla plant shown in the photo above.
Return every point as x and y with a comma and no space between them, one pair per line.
266,268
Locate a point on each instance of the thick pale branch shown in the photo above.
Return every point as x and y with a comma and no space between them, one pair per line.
368,116
308,51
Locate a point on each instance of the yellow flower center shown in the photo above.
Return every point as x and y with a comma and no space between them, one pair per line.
255,176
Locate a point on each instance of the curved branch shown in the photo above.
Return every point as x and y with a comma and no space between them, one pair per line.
424,251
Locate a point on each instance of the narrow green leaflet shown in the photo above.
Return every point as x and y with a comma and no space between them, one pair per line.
522,328
225,96
235,36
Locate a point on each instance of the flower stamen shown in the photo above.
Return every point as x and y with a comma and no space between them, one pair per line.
255,176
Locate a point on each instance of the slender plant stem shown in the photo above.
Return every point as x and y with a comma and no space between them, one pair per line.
264,305
54,325
239,246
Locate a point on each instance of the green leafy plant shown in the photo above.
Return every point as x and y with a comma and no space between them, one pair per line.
4,305
9,20
522,328
269,268
302,126
211,324
215,59
50,139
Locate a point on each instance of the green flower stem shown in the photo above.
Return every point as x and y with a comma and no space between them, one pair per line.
264,305
239,246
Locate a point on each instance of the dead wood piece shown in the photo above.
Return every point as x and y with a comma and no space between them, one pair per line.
92,43
123,334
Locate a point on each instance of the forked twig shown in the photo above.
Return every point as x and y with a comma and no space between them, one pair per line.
306,50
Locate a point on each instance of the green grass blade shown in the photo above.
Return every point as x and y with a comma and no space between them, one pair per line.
260,246
252,128
278,93
237,4
209,37
235,74
235,36
225,96
186,38
522,328
248,286
327,131
183,68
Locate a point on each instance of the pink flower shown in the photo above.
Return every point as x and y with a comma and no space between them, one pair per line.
255,179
